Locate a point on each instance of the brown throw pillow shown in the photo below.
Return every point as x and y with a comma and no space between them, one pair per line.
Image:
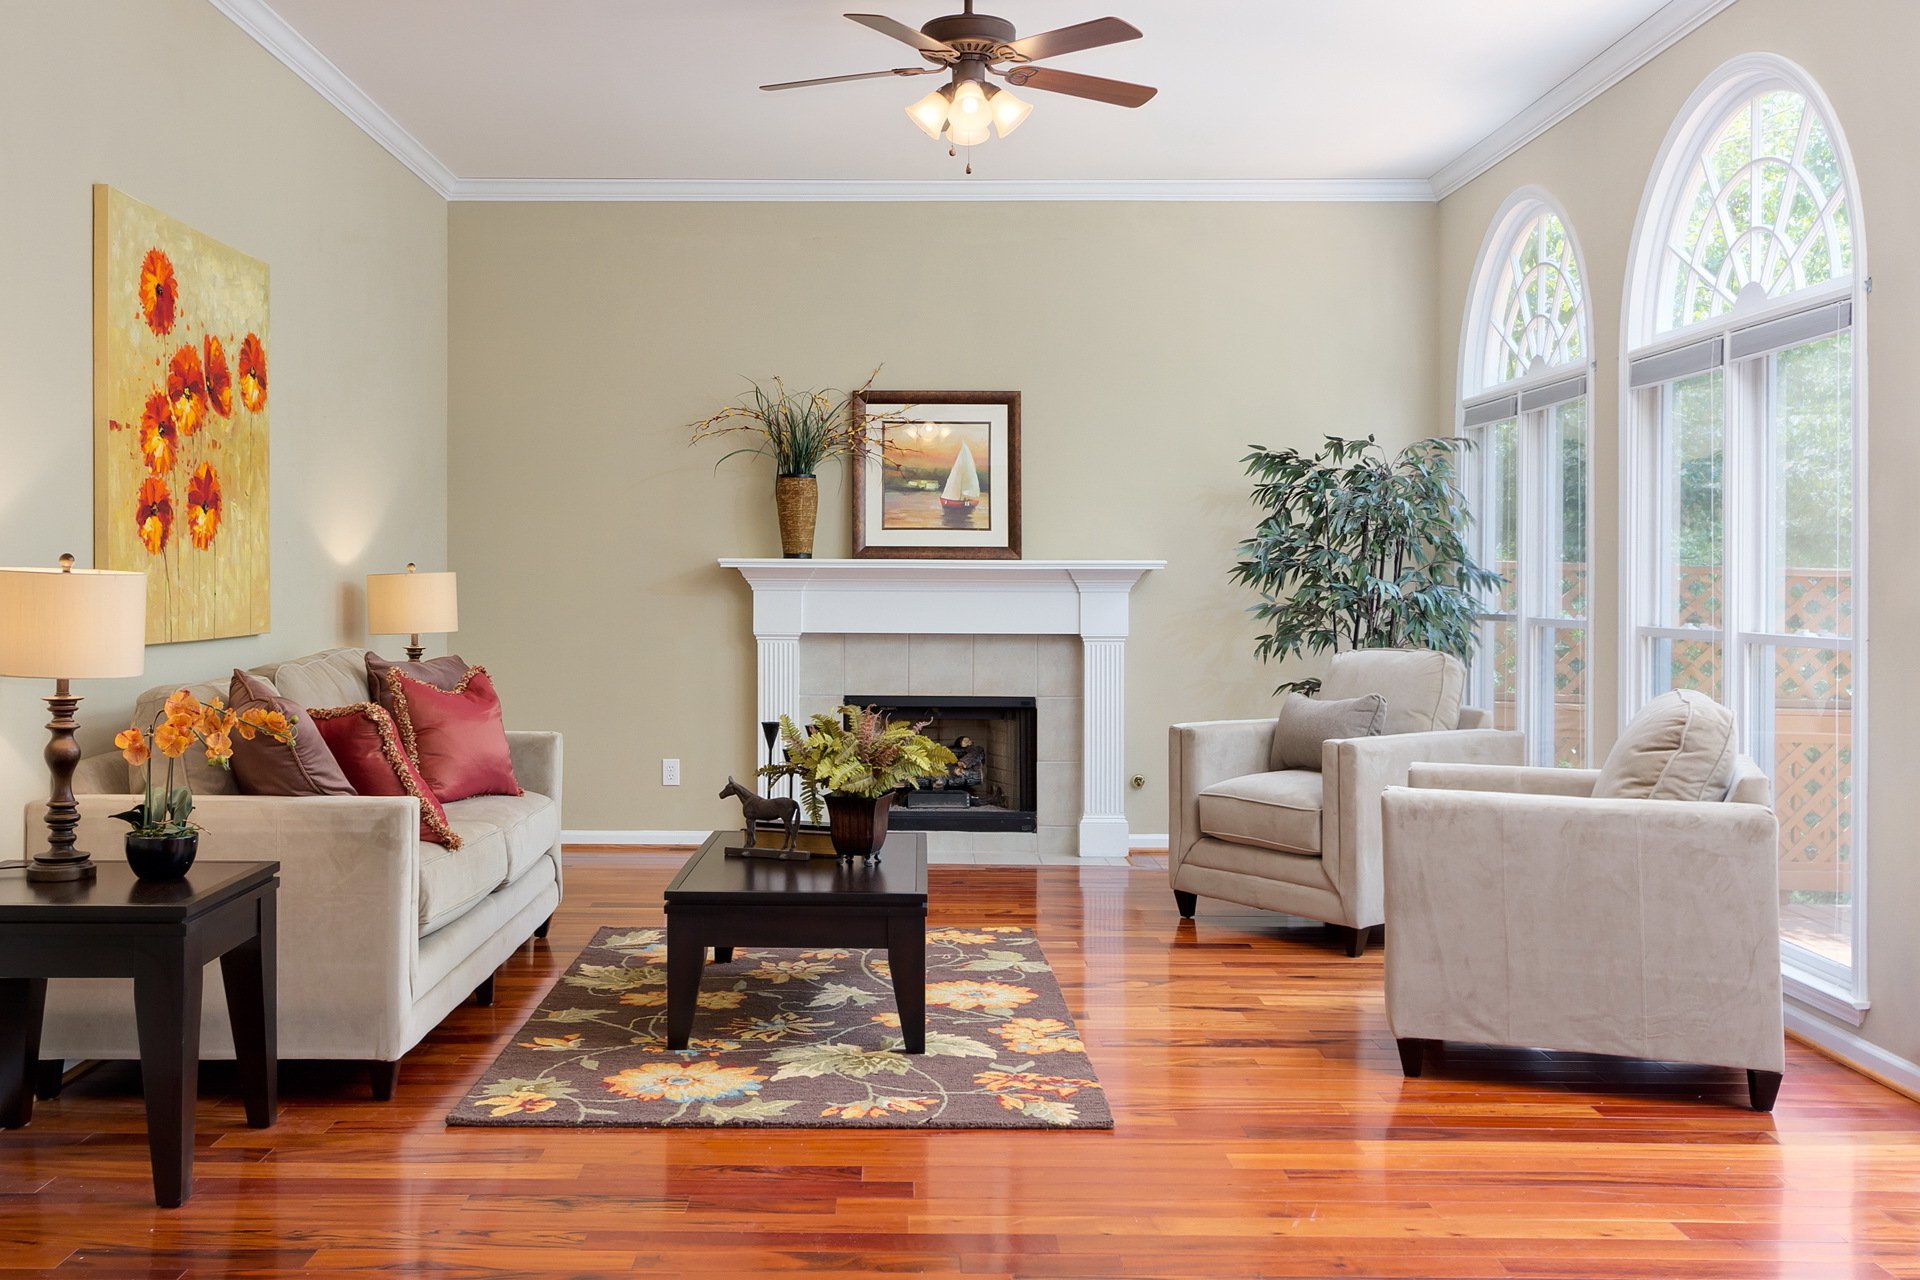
264,767
441,673
1307,724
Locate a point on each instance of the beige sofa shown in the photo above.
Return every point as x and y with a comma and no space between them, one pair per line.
1527,913
1304,841
380,934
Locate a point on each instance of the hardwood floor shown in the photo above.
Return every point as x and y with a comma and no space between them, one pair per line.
1263,1130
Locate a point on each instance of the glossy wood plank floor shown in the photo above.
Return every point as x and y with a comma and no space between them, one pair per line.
1263,1130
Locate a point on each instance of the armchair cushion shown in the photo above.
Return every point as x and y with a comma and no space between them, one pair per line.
1422,687
1279,810
1306,723
1680,747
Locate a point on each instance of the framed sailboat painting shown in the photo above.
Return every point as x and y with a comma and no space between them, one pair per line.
941,475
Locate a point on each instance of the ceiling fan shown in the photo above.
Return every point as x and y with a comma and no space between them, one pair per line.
969,46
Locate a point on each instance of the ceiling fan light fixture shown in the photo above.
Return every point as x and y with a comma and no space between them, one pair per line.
970,118
1009,112
929,115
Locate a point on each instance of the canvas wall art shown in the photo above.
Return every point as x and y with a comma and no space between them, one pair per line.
941,475
181,393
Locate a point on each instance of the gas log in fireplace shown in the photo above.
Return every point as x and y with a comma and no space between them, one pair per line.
993,786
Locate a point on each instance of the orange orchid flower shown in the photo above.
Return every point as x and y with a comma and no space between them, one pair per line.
261,720
133,745
183,706
219,748
172,740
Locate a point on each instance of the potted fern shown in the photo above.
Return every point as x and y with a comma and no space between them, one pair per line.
858,760
1357,549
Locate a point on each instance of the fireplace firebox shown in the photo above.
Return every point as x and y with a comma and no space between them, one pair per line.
994,785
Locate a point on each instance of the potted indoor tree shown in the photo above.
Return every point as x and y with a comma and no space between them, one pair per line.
1357,549
164,840
799,430
857,759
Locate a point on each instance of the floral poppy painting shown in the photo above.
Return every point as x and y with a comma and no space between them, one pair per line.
181,399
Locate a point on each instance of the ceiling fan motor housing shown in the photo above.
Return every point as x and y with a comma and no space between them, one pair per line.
979,34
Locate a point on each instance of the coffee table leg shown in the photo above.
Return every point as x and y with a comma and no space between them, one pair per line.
22,1002
907,958
723,955
247,972
686,957
166,1002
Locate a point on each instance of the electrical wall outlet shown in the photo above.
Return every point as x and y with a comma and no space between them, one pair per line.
669,773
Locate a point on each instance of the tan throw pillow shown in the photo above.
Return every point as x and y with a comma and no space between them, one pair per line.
1422,686
1679,748
1306,724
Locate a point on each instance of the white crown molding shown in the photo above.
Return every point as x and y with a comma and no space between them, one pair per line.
278,37
1658,33
1397,190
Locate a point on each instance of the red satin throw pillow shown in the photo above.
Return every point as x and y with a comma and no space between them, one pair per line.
367,747
456,737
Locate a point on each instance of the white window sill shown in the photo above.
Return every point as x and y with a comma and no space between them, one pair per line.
1823,996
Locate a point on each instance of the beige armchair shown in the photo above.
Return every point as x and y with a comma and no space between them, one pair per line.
1527,913
1307,841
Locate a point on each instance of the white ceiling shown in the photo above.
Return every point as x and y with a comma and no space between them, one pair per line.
1250,90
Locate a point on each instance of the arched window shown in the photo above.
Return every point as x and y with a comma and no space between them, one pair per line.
1524,382
1742,512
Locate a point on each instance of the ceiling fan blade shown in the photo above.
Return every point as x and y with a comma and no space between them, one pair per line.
902,32
1083,35
864,75
1119,93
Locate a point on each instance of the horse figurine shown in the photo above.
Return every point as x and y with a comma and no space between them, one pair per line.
756,809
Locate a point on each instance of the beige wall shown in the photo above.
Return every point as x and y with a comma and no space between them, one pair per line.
1151,343
1597,164
173,104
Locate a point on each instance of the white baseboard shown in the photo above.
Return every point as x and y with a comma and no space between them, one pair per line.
1862,1055
1147,840
634,837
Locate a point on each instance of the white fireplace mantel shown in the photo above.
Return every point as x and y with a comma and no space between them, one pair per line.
1087,598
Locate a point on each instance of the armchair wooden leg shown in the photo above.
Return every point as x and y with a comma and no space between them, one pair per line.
1187,902
1356,940
545,925
1413,1056
385,1076
1763,1087
483,994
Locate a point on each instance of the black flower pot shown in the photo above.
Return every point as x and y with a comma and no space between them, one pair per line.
162,857
858,825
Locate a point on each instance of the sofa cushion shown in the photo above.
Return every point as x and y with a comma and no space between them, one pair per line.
442,673
456,737
530,823
1422,687
264,766
453,880
1279,810
1307,724
367,746
331,678
1680,747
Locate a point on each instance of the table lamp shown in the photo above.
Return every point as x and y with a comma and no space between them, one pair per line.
407,604
69,624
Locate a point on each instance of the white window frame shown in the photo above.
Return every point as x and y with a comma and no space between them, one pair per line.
1814,980
1538,484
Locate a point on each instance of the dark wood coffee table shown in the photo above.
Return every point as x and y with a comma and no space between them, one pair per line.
161,936
723,903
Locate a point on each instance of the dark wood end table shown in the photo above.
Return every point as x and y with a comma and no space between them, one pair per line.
723,902
162,936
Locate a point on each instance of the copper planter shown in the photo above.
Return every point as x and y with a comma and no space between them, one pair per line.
858,825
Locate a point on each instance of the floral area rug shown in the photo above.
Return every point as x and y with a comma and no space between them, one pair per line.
799,1039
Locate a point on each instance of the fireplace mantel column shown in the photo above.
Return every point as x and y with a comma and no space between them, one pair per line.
779,611
1103,701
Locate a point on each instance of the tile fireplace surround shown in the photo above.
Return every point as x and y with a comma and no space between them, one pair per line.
1056,628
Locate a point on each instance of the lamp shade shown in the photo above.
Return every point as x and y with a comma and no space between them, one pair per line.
83,624
411,603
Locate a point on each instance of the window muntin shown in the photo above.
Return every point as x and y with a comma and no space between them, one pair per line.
1764,212
1538,317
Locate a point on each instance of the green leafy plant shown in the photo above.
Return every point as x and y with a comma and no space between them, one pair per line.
856,751
799,430
1360,550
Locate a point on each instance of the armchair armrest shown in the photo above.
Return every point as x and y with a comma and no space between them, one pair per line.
1641,927
1354,772
349,877
1514,779
1201,754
